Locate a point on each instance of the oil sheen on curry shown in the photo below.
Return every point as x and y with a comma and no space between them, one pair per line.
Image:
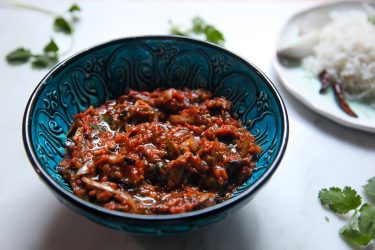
162,152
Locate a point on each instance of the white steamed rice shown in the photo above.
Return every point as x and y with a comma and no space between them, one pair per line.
346,50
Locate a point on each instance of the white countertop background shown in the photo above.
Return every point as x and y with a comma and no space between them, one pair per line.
286,214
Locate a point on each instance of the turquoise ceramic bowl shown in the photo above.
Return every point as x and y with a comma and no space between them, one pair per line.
108,70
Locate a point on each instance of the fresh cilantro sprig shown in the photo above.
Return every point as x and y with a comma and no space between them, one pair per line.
361,227
48,58
340,201
64,25
200,27
50,54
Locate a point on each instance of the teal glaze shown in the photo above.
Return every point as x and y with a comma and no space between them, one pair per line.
145,63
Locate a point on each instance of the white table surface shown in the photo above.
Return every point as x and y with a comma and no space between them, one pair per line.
286,214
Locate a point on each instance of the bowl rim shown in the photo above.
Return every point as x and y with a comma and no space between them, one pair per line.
101,211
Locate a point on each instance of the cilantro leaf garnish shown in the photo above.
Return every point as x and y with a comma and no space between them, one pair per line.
97,127
213,35
61,25
370,188
175,30
200,27
352,233
44,60
74,8
50,55
340,201
19,56
367,220
326,218
361,228
51,47
47,59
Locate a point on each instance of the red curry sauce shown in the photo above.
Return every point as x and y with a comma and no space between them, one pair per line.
161,152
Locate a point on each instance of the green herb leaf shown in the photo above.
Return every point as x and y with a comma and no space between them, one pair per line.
361,229
213,35
74,8
340,201
198,25
371,19
327,219
97,127
50,56
367,220
370,188
19,56
61,25
44,61
175,30
51,47
352,233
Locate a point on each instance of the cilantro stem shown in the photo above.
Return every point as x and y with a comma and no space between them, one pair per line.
67,51
26,6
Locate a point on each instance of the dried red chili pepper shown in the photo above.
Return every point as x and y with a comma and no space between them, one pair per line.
340,97
324,79
338,91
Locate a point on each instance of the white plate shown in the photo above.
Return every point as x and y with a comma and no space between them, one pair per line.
305,86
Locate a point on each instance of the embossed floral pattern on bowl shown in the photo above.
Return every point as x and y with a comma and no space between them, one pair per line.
145,63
